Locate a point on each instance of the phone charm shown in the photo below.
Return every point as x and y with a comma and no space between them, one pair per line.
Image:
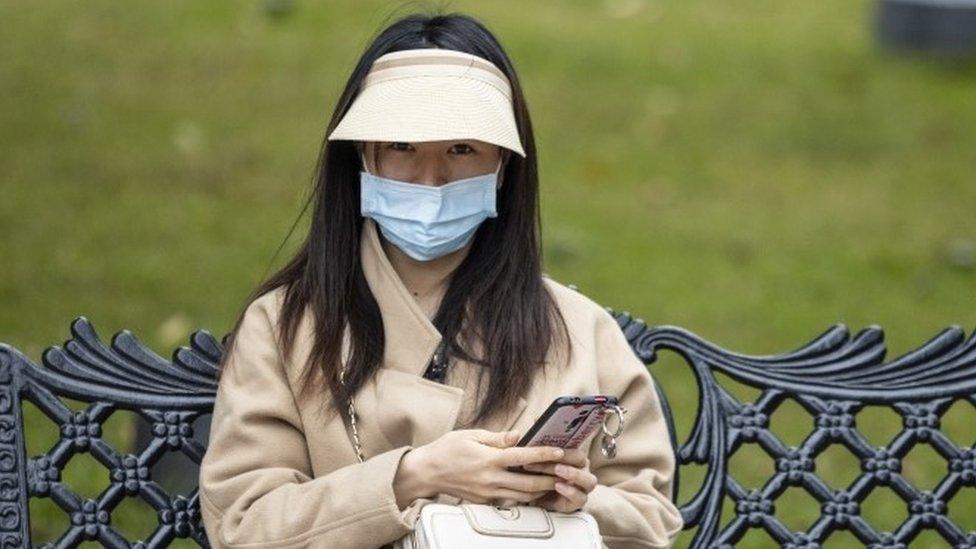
609,443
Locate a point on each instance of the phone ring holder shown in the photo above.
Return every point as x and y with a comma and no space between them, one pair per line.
619,411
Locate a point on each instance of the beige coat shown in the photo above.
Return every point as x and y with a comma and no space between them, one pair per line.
280,473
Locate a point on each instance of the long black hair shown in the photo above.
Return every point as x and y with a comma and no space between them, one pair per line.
500,280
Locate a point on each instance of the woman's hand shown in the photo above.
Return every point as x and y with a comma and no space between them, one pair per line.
573,481
473,464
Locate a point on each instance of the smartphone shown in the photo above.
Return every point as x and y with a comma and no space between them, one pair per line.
568,421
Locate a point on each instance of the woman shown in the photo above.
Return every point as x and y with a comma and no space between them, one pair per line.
425,231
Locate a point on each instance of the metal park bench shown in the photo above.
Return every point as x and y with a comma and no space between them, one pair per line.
833,377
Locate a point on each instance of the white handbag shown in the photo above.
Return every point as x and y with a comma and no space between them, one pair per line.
478,526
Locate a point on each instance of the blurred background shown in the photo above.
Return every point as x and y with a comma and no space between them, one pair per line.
751,170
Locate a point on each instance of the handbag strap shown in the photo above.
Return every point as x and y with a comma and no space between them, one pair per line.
436,369
352,417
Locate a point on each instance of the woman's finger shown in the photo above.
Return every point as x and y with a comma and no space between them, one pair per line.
575,496
575,457
516,495
554,501
578,476
523,455
525,483
547,501
582,478
497,439
571,456
541,467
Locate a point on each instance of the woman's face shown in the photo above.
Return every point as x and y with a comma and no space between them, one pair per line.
431,163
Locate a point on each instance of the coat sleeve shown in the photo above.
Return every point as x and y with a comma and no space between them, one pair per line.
632,501
256,481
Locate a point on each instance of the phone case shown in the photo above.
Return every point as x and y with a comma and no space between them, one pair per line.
568,421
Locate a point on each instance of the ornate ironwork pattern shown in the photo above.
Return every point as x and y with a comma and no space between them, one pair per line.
833,377
170,395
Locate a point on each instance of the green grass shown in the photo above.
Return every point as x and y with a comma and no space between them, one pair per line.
752,170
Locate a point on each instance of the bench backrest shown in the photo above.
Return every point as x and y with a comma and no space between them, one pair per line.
833,377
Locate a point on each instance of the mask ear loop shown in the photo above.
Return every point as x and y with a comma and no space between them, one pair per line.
498,170
362,158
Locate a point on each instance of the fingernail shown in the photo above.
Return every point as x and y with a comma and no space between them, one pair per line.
558,453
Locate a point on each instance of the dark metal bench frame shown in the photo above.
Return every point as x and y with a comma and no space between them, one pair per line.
832,377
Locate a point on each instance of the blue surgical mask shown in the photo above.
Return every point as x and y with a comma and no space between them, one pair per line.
424,221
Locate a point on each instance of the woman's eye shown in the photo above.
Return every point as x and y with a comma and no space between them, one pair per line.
396,146
464,147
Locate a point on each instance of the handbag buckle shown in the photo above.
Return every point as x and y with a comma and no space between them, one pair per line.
518,521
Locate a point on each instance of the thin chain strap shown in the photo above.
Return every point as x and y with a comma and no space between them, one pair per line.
352,418
437,365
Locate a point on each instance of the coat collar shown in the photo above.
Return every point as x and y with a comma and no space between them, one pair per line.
410,337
